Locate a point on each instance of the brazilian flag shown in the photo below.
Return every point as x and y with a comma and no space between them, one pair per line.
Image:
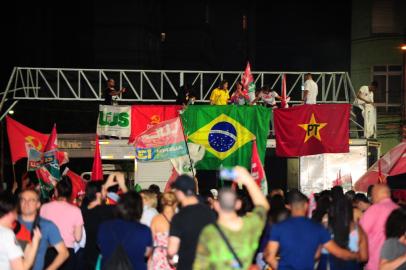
227,133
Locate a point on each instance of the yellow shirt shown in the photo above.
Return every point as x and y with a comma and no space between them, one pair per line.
219,97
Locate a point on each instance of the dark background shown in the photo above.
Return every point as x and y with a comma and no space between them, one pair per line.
289,35
284,35
200,35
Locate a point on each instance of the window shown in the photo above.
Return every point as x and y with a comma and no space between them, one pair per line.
389,79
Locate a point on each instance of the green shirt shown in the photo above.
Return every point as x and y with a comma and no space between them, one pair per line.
212,252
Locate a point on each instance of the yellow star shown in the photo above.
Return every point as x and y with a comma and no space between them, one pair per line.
312,128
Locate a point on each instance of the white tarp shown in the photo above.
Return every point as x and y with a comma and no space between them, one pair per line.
114,121
320,172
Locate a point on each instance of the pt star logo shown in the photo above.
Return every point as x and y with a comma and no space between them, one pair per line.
312,128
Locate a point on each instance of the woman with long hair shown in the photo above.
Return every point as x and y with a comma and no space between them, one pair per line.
347,234
126,232
160,231
220,95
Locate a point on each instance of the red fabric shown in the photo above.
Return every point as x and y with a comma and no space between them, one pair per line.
312,129
257,171
165,133
145,116
62,157
52,142
171,180
43,174
247,77
21,232
78,184
97,169
19,135
283,95
392,163
399,194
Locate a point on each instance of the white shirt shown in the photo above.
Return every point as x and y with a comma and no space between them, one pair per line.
9,249
313,89
365,94
269,98
148,214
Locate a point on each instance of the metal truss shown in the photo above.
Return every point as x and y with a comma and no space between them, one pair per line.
157,85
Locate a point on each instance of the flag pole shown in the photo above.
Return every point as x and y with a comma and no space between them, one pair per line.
187,148
14,174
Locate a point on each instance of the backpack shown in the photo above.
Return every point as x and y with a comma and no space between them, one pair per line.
119,260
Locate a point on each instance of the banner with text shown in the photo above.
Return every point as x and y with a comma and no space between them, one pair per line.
161,142
114,121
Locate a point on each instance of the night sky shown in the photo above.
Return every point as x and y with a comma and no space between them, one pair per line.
200,35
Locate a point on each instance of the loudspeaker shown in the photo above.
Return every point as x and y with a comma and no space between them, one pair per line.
373,152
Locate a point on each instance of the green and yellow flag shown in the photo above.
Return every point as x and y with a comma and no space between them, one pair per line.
227,133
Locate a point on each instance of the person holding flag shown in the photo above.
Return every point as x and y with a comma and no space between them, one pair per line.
248,84
268,96
240,96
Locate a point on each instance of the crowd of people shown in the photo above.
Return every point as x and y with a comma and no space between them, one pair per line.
234,228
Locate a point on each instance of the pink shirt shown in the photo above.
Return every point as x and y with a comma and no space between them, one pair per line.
373,222
65,216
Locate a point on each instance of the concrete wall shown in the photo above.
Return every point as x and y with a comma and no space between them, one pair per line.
370,49
366,53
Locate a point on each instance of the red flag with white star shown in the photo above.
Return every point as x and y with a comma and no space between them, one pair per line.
312,129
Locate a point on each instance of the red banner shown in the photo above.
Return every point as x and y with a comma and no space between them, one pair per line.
20,135
97,168
78,184
146,116
163,141
312,129
257,171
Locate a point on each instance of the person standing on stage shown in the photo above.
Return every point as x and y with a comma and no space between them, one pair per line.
365,111
220,95
310,90
111,94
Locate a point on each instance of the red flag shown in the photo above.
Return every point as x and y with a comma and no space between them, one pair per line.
52,142
392,163
163,141
145,116
247,77
257,171
97,170
46,181
171,180
51,155
78,184
380,176
62,157
20,135
284,103
312,129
